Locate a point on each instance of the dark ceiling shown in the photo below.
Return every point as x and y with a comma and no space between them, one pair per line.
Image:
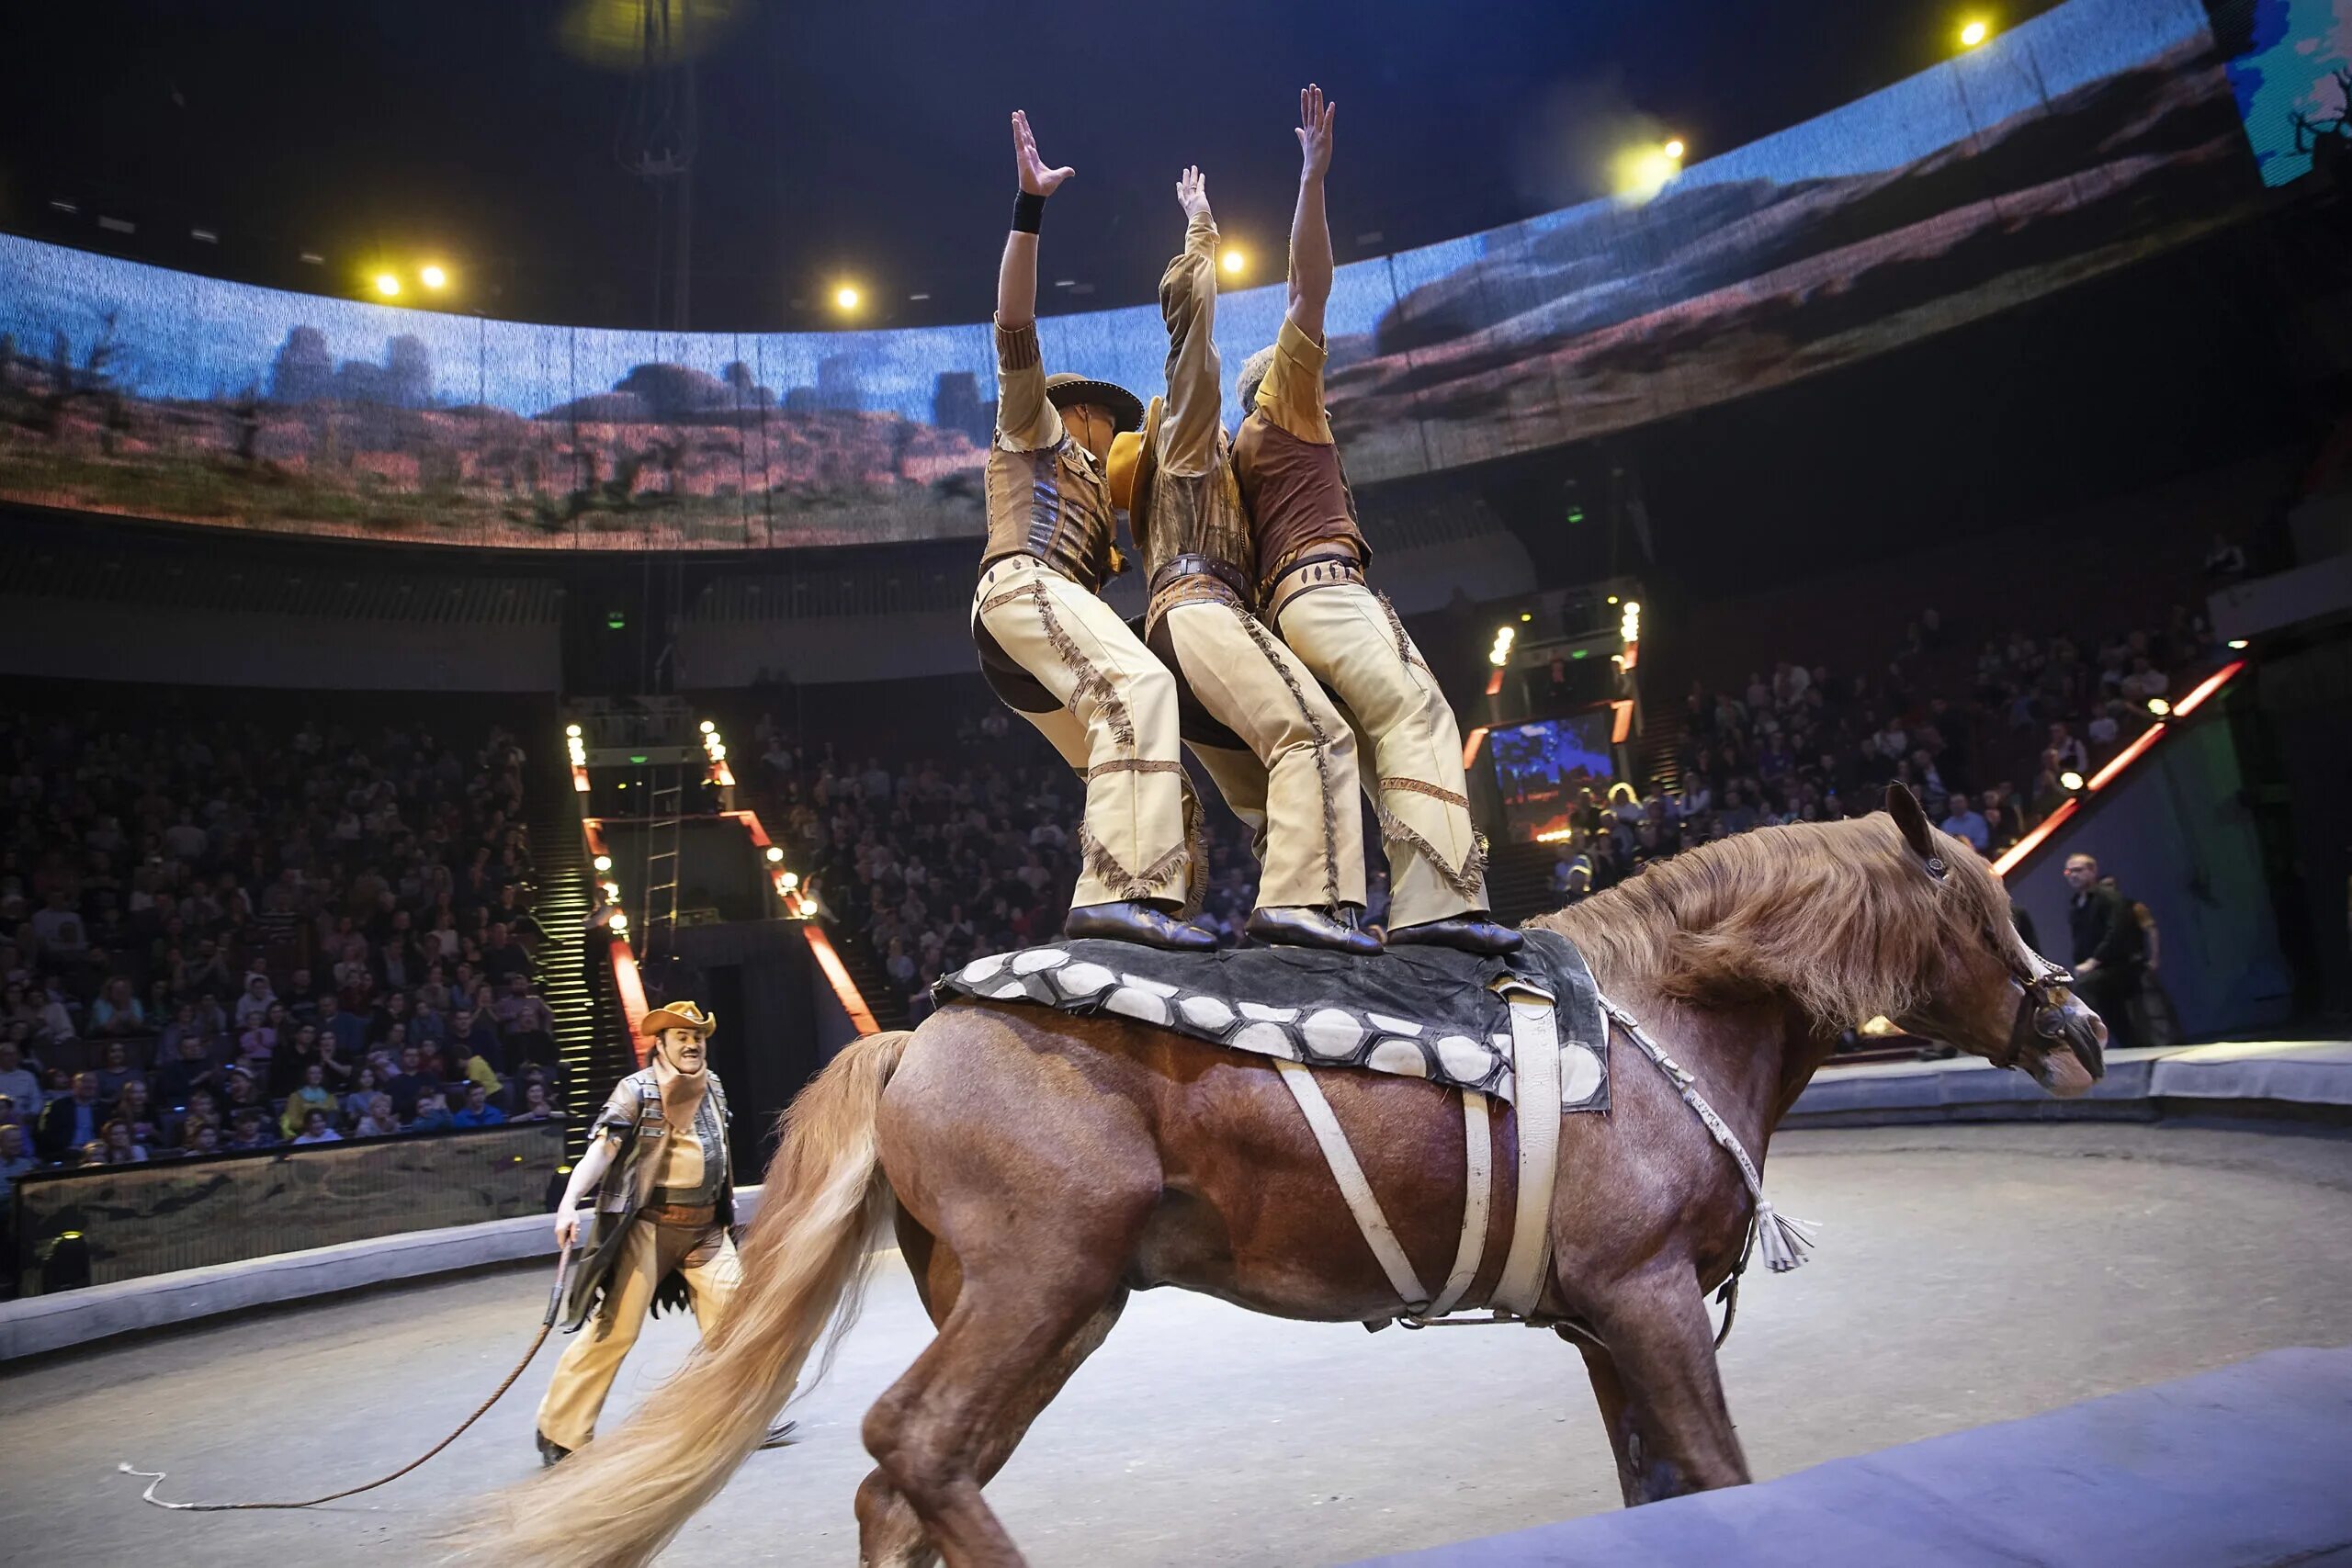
864,142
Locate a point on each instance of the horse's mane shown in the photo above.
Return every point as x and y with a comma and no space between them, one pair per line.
1842,916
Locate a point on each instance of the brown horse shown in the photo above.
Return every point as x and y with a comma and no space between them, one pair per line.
1038,1167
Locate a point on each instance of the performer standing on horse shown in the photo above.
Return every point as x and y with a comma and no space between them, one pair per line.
664,1191
1049,646
1276,747
1310,587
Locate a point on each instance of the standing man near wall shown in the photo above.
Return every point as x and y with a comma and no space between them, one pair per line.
1276,747
2106,950
664,1191
1311,588
1049,646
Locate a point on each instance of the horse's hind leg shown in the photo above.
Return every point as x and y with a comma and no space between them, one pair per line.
890,1533
1659,1391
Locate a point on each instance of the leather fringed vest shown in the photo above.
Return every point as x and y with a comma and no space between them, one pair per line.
1192,529
1055,504
1298,493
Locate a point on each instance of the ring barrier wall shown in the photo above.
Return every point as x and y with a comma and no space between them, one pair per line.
2075,143
131,1220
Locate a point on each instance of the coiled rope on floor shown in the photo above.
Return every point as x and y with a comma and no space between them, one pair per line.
154,1478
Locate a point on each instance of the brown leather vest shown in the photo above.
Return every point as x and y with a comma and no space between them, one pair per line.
1054,504
1297,495
1176,515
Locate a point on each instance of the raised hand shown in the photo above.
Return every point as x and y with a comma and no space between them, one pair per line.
1192,192
1315,117
1035,178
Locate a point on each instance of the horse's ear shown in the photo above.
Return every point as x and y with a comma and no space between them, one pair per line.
1903,807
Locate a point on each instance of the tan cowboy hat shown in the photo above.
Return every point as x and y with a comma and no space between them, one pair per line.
1065,387
677,1015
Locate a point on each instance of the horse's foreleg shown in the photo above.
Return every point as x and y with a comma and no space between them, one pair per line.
1659,1391
890,1533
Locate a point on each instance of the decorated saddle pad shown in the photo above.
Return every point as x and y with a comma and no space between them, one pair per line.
1423,1012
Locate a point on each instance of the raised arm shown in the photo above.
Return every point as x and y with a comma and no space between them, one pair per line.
1310,230
1024,420
1188,303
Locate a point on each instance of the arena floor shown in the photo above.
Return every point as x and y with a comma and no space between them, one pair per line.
1967,1275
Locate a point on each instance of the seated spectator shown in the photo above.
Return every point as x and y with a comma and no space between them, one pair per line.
254,1002
348,1030
432,1113
190,1067
378,1120
315,1129
467,1065
253,1130
204,1138
410,1083
18,1083
1962,822
312,1097
119,1146
535,1103
117,1011
16,1159
526,1024
117,1070
202,1109
476,1033
72,1123
478,1111
133,1109
243,1090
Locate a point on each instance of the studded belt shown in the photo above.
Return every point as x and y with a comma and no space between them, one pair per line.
1182,567
1310,573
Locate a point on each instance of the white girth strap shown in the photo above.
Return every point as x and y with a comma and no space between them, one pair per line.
1535,1066
1352,1184
1477,1199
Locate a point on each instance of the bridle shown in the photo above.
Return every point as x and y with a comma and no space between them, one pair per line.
2043,993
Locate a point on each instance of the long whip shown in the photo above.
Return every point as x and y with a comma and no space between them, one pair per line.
555,1307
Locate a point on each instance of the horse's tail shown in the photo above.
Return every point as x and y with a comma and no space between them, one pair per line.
620,1498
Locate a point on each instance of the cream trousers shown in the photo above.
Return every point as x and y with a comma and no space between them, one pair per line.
1412,749
1295,785
1117,727
584,1374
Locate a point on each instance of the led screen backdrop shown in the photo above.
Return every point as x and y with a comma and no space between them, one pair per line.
2291,85
2077,143
1543,770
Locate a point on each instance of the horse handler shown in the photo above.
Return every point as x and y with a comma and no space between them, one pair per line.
664,1198
1311,590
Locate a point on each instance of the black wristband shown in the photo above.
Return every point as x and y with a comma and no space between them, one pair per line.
1028,212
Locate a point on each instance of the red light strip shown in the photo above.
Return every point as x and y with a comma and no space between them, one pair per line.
2210,685
632,990
2032,842
1470,744
1495,681
1623,726
2124,758
861,1016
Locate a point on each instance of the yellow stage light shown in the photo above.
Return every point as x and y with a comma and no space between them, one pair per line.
1674,149
776,851
432,276
1637,174
788,881
2070,780
1974,34
846,297
387,285
1233,261
2158,706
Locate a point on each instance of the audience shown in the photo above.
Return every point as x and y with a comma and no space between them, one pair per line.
216,933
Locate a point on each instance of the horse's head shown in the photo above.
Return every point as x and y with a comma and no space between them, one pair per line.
1989,994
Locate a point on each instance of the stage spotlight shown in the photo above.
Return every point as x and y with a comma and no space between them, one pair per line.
2158,706
2238,644
1674,149
846,297
710,727
788,881
603,863
776,852
387,285
572,730
1233,261
1974,33
2070,781
432,276
1637,174
620,921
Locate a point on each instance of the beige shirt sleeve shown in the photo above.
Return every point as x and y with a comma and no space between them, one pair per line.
1292,394
1026,421
1195,401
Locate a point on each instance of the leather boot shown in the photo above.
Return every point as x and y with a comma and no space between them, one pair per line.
1477,932
549,1449
1301,925
1133,921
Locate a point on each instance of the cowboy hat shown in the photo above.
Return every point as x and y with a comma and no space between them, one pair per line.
1065,387
677,1015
